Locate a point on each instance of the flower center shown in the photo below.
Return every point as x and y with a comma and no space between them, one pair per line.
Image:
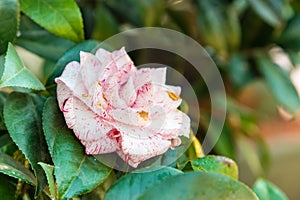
144,115
173,96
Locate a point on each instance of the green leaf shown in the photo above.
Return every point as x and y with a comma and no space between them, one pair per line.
71,55
218,164
2,100
199,185
105,23
280,84
41,42
14,169
49,169
215,17
23,119
75,172
16,74
7,188
266,11
5,140
268,191
9,21
60,17
131,186
239,70
289,37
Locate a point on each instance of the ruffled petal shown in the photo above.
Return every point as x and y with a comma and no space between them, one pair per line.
70,74
128,92
91,68
89,128
135,150
149,75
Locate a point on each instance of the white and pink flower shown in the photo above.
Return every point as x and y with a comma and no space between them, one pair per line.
114,107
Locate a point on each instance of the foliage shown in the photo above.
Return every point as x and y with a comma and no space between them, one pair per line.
39,153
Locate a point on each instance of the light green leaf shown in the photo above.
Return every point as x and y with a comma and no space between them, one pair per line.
9,22
49,170
266,11
71,55
60,17
41,42
218,164
268,191
280,84
75,172
199,185
16,74
23,116
14,169
131,186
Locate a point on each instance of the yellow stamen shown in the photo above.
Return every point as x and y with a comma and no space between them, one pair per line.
173,96
99,83
144,115
99,104
85,95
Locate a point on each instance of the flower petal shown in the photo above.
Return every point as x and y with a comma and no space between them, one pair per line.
135,150
89,128
90,68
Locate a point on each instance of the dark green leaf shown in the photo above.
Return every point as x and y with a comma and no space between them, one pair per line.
49,171
5,140
105,23
216,164
75,172
22,114
2,100
16,74
7,188
268,191
13,168
199,185
131,186
290,35
71,55
60,17
9,21
280,84
41,42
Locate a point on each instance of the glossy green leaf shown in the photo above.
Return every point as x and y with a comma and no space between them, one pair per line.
49,171
289,37
75,172
268,191
9,21
7,188
280,84
71,55
41,42
14,169
22,114
216,164
60,17
2,100
16,74
131,186
199,185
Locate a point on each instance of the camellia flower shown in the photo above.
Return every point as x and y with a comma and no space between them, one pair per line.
114,107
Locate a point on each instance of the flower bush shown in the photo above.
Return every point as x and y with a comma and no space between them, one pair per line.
85,101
